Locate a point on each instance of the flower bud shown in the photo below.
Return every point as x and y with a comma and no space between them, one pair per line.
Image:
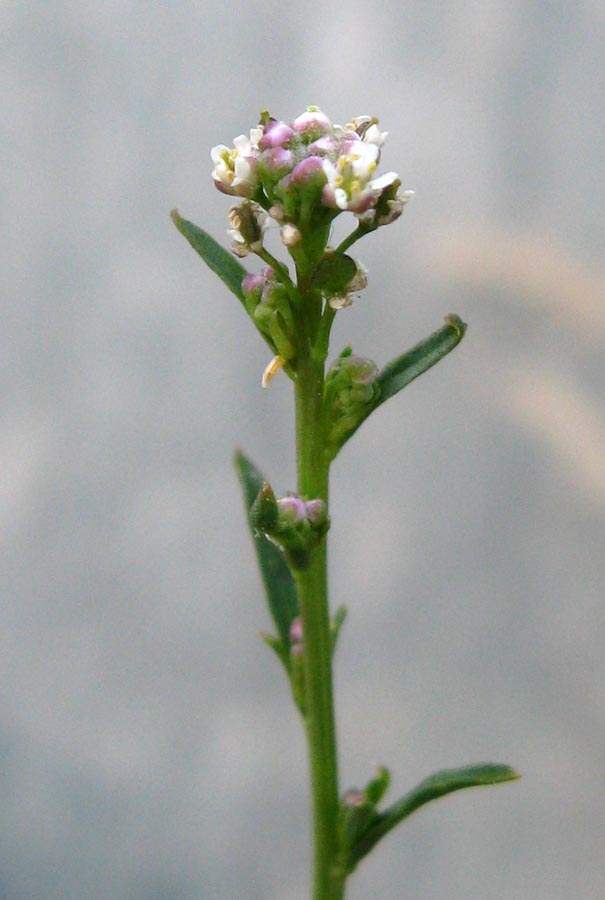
291,511
308,170
290,235
296,631
350,394
311,124
353,797
316,513
357,814
273,317
277,162
260,283
276,134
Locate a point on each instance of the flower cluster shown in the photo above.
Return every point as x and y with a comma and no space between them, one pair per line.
310,170
300,176
290,522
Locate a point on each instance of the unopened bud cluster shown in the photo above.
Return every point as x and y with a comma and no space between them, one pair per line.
351,391
269,303
291,523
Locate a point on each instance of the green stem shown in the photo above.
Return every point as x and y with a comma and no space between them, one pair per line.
359,232
328,878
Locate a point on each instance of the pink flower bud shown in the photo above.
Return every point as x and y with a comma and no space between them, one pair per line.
308,170
296,631
353,797
277,160
292,510
258,282
277,134
312,124
316,512
325,146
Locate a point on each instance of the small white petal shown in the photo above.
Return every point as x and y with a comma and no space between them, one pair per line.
383,181
341,198
374,136
340,302
277,363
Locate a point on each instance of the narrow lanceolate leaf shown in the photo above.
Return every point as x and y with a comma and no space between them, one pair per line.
223,263
278,582
437,785
401,371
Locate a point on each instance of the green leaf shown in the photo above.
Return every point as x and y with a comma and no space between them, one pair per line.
279,584
222,263
437,785
401,371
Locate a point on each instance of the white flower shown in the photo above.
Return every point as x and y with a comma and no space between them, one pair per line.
349,183
223,168
234,168
366,128
374,136
363,158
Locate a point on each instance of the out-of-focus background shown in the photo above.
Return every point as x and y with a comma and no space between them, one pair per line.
150,750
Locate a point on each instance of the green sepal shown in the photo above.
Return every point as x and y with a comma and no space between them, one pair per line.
279,585
377,787
222,263
336,624
437,785
263,513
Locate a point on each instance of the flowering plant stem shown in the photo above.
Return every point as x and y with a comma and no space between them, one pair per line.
302,176
312,589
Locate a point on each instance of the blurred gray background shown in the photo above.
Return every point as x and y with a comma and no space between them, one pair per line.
150,750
